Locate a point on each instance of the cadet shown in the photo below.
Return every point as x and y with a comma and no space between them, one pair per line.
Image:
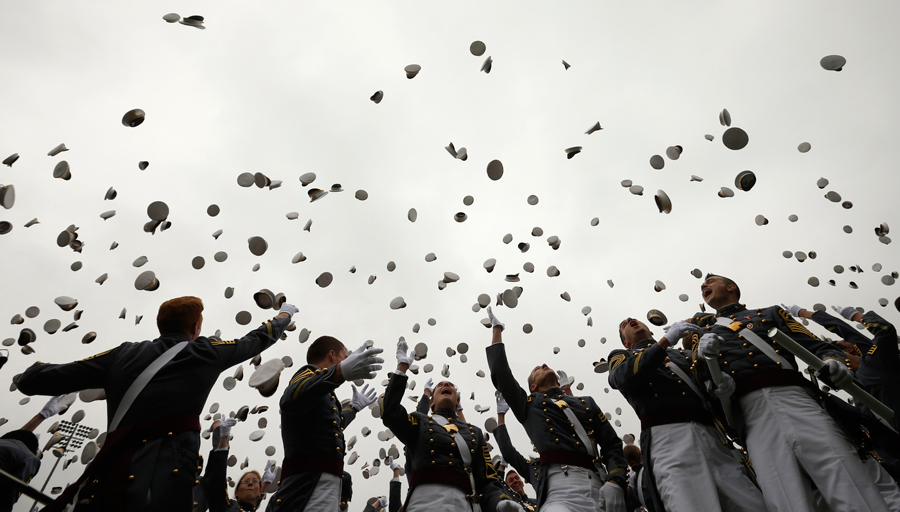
677,429
565,430
450,462
313,422
250,487
529,470
19,450
150,463
784,429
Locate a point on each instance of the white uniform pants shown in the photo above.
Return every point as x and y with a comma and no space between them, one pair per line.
327,495
792,442
888,487
693,470
571,489
437,498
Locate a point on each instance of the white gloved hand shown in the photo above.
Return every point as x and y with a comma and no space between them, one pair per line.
52,407
225,427
564,379
725,389
429,386
270,472
679,329
382,502
509,506
494,321
402,357
502,405
793,310
612,497
393,464
838,372
847,312
362,363
708,348
290,309
362,399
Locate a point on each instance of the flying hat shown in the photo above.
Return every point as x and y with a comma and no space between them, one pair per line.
265,378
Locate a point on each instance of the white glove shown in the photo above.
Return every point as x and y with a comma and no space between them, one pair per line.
509,506
382,502
494,321
429,386
52,407
679,329
793,310
225,427
290,309
402,357
270,472
612,497
393,464
564,379
847,312
708,348
725,389
502,405
362,399
361,363
838,372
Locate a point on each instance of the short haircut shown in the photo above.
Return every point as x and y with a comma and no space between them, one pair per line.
321,347
27,437
632,454
179,315
737,289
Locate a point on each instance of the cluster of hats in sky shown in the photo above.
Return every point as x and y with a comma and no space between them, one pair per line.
265,377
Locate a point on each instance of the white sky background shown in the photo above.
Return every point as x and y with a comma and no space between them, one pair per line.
284,90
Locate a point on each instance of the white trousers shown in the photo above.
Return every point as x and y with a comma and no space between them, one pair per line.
693,470
793,442
437,498
888,487
327,494
571,489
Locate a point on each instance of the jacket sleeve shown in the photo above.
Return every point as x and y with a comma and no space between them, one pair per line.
504,381
510,454
841,328
348,414
627,370
395,500
59,379
232,352
307,388
486,482
216,481
885,342
791,327
394,416
611,453
424,405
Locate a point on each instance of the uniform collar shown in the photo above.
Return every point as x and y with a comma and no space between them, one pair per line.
450,414
643,343
731,309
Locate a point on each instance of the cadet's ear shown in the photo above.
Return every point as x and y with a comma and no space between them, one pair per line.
730,288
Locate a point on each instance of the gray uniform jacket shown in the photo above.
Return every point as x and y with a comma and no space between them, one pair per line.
18,461
312,429
216,485
529,470
549,428
162,469
432,451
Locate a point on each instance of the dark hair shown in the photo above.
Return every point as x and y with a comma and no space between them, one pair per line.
737,289
179,315
632,454
26,436
321,347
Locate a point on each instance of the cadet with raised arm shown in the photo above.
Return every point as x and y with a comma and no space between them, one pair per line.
526,469
792,441
677,429
150,463
313,423
566,431
449,460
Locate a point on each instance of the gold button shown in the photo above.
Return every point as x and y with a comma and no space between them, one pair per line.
175,471
130,477
170,433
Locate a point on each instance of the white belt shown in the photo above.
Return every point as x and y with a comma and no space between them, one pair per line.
758,342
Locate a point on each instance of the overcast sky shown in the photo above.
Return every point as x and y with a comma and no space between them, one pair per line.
284,90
